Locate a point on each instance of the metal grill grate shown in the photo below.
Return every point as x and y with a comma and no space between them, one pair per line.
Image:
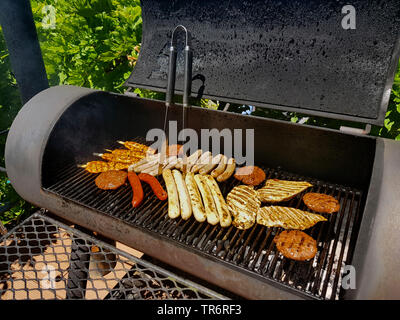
250,250
44,259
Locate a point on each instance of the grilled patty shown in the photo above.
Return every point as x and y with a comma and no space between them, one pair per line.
111,180
296,245
250,175
320,202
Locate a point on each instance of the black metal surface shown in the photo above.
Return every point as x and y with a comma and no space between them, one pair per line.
38,255
23,45
288,55
249,251
96,121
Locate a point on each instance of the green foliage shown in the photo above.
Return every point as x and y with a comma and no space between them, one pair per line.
95,43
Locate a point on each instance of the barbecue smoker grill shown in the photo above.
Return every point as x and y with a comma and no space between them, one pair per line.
287,55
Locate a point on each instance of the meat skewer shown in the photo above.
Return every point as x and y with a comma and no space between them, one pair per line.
102,166
135,146
115,158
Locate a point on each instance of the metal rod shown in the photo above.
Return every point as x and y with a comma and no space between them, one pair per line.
22,42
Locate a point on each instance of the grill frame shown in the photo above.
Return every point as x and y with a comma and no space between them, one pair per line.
79,188
32,129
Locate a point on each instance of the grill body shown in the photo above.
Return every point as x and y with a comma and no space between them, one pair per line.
62,126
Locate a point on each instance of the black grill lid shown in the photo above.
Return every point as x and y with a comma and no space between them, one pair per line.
289,55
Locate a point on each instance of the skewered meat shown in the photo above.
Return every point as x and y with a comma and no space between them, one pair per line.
184,199
229,170
209,205
111,180
225,218
250,175
173,197
115,158
199,212
135,146
287,218
102,166
296,245
320,202
243,205
276,190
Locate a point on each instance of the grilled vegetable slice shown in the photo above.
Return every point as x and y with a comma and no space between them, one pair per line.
211,210
229,170
276,190
287,218
184,199
173,197
243,205
195,198
225,218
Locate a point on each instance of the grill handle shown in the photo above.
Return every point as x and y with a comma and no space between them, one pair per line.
187,87
171,76
172,68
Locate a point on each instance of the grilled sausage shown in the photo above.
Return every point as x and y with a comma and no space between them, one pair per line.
149,164
154,185
225,218
136,188
192,159
184,199
195,198
229,170
208,167
220,168
202,161
173,197
209,205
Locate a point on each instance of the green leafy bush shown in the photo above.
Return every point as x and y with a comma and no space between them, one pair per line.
95,44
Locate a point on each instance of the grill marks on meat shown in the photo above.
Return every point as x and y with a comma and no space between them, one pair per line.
111,180
243,205
287,218
250,175
296,245
320,202
276,190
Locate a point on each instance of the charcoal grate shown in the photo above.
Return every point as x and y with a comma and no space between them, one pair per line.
44,259
250,250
